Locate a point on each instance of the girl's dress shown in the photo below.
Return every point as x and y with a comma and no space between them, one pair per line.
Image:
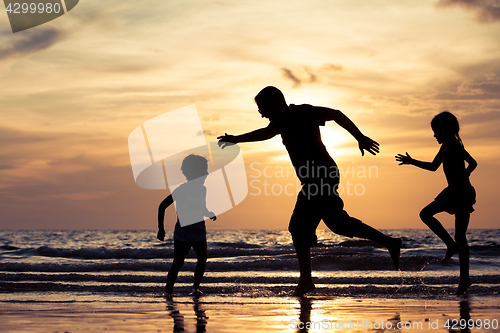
460,193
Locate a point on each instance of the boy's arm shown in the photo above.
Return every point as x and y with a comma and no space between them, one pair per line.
364,142
431,166
210,214
161,216
260,134
206,212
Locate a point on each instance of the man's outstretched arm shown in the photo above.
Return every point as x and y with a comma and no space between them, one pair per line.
260,134
364,142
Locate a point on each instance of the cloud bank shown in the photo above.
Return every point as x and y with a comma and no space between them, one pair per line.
487,11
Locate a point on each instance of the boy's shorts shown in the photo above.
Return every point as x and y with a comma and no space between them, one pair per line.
311,209
182,248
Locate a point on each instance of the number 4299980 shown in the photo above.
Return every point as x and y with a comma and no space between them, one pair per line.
471,323
18,8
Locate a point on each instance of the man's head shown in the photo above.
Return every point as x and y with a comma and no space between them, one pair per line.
271,102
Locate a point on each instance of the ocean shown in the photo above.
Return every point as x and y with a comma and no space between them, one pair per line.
37,266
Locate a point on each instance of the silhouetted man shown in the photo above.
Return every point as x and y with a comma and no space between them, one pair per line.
318,199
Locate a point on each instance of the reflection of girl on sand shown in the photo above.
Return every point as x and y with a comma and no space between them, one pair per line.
190,199
457,198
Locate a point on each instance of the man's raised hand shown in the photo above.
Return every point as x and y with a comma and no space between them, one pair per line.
365,143
226,140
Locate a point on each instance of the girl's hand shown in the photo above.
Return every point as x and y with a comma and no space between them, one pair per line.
213,218
404,159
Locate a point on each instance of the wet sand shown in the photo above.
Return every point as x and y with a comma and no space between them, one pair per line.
246,314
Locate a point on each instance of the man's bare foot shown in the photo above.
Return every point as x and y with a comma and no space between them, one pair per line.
450,251
462,286
395,251
168,296
303,289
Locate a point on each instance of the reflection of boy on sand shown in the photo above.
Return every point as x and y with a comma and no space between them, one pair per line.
298,126
191,206
179,325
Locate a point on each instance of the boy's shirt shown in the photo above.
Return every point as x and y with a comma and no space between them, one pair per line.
299,130
190,202
190,209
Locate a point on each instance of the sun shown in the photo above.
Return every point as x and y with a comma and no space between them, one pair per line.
338,142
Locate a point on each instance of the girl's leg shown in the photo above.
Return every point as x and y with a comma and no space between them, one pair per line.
427,216
173,271
461,223
201,264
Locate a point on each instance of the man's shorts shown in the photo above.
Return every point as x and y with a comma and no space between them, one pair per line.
311,209
181,248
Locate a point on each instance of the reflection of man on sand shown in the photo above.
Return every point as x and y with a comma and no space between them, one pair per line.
304,316
318,200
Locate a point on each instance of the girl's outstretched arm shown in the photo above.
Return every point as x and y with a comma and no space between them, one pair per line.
431,166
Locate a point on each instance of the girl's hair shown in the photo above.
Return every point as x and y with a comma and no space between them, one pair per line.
445,122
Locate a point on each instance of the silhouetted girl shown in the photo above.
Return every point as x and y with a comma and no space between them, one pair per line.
458,198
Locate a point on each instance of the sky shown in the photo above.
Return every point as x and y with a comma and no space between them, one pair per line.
73,89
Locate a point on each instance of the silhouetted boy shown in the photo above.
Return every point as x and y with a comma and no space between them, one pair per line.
191,207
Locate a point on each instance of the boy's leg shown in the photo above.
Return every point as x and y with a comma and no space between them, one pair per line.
461,223
427,216
173,271
201,254
181,250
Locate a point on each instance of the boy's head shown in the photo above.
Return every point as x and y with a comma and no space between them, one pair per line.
194,166
269,100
